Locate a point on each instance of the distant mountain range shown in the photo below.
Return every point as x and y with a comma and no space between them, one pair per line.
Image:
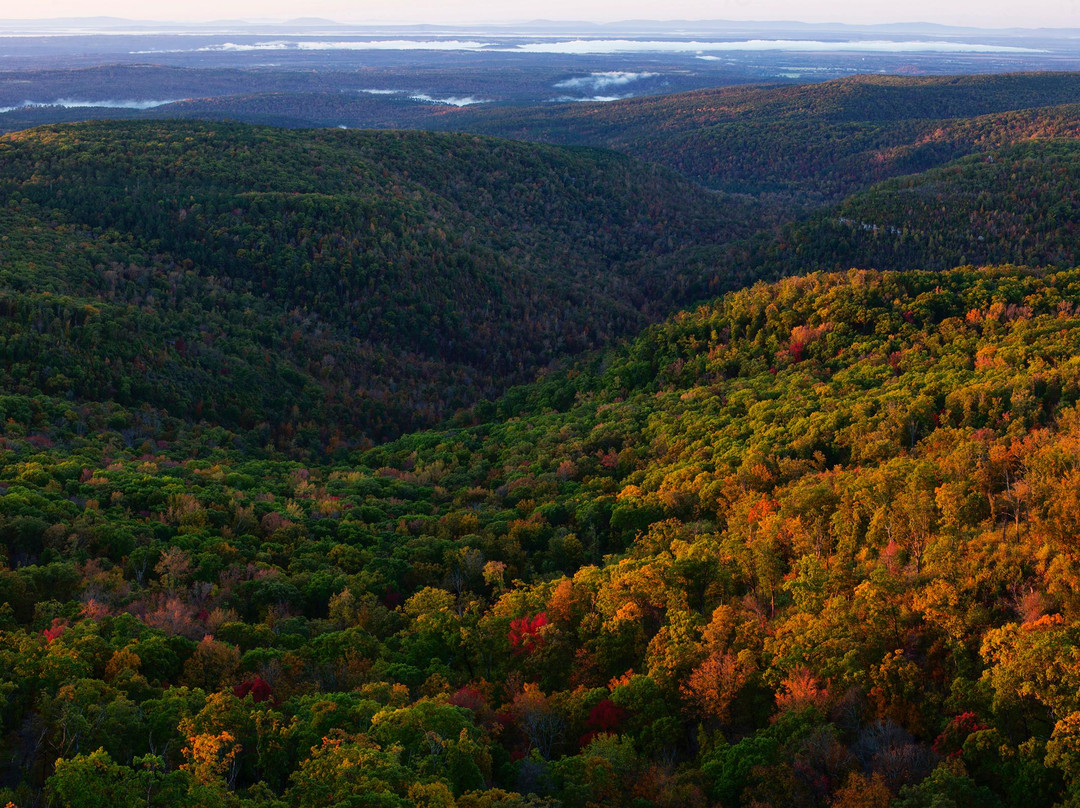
736,28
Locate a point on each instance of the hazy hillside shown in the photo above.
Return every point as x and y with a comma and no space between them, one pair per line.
807,143
813,142
330,281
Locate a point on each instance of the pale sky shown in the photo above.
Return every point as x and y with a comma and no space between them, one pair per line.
981,13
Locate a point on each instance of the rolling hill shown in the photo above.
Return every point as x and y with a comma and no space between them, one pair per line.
812,143
808,144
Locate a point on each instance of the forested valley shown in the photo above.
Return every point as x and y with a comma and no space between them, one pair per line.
331,287
424,469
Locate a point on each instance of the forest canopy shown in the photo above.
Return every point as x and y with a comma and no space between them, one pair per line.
810,544
408,469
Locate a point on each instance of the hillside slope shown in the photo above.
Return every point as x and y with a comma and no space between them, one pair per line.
357,284
812,544
1017,204
1014,204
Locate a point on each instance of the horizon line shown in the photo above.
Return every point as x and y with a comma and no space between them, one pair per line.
106,19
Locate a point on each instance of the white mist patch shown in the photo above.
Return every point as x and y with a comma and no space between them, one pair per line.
75,103
566,99
450,101
601,46
602,81
424,98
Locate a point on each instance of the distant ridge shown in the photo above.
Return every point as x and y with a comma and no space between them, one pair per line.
716,27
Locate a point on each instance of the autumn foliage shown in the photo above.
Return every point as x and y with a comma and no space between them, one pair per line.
524,634
811,544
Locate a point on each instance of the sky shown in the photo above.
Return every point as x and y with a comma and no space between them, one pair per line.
979,13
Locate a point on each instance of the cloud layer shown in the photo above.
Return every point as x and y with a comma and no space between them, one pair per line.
601,46
590,46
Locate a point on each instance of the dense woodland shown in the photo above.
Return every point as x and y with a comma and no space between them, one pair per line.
347,286
1015,204
811,543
